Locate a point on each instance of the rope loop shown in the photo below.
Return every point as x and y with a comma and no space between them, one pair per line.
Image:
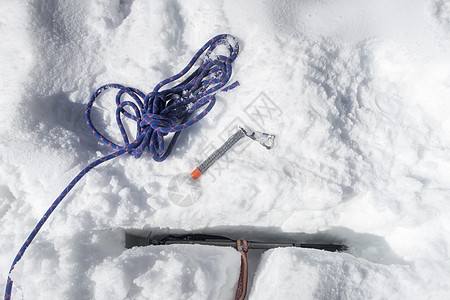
171,110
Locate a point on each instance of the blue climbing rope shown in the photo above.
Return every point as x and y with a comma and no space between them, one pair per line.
157,114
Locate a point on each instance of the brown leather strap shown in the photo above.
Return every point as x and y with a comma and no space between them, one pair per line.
241,292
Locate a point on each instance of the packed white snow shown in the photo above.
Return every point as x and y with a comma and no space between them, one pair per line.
356,92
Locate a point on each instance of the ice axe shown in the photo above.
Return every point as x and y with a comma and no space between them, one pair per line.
133,240
265,139
242,246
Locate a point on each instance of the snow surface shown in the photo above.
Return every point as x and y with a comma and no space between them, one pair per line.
356,92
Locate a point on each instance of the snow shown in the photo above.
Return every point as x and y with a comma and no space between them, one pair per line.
356,93
290,273
167,272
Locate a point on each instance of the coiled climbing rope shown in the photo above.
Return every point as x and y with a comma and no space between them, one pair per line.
157,114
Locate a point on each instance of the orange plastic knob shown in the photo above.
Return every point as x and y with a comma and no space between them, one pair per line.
196,173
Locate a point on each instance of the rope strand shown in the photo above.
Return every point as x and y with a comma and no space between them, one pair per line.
156,114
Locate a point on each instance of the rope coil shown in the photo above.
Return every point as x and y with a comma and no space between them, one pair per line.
156,114
172,110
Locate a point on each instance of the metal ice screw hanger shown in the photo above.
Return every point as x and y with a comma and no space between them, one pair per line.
265,139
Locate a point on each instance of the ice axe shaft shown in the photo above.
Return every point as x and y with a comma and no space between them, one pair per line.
260,245
222,241
263,138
